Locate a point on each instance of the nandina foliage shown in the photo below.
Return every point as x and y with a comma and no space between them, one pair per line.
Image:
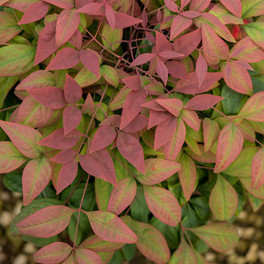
136,124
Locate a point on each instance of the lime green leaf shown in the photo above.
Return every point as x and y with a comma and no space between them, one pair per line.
252,8
16,59
255,31
223,199
110,75
111,37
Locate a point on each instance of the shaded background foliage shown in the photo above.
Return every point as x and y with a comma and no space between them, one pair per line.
136,125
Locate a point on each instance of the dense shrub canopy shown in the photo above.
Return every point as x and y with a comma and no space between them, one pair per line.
136,124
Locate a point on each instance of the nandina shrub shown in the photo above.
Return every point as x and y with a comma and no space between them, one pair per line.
135,125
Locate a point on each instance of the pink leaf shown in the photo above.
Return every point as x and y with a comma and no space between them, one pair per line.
67,24
76,39
136,124
179,24
163,205
171,6
164,132
172,105
42,95
156,118
235,6
10,157
53,253
122,196
72,90
36,11
103,137
59,62
131,149
64,156
58,140
72,117
67,175
162,43
153,105
64,4
47,222
110,15
88,106
201,69
123,20
203,102
177,70
132,82
162,71
92,166
85,256
210,132
190,14
142,59
46,43
24,138
90,60
191,118
93,9
199,5
170,54
184,3
35,178
109,227
132,106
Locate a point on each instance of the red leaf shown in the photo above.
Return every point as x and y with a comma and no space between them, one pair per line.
257,174
64,4
122,196
53,253
190,14
132,82
58,140
174,146
164,132
184,3
156,118
59,62
131,149
47,222
230,143
35,178
171,6
88,106
163,205
42,95
201,69
24,138
67,24
72,90
123,20
162,71
72,117
85,256
76,39
235,6
153,105
90,60
136,124
46,43
106,162
103,137
67,175
177,70
203,102
179,24
142,59
170,54
92,166
110,15
109,227
10,157
93,9
191,118
199,5
174,106
64,156
36,11
162,43
132,107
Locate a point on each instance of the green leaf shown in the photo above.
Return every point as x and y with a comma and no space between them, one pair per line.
252,8
233,101
111,37
16,59
85,78
219,236
103,191
129,251
6,84
223,199
13,181
255,31
110,75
